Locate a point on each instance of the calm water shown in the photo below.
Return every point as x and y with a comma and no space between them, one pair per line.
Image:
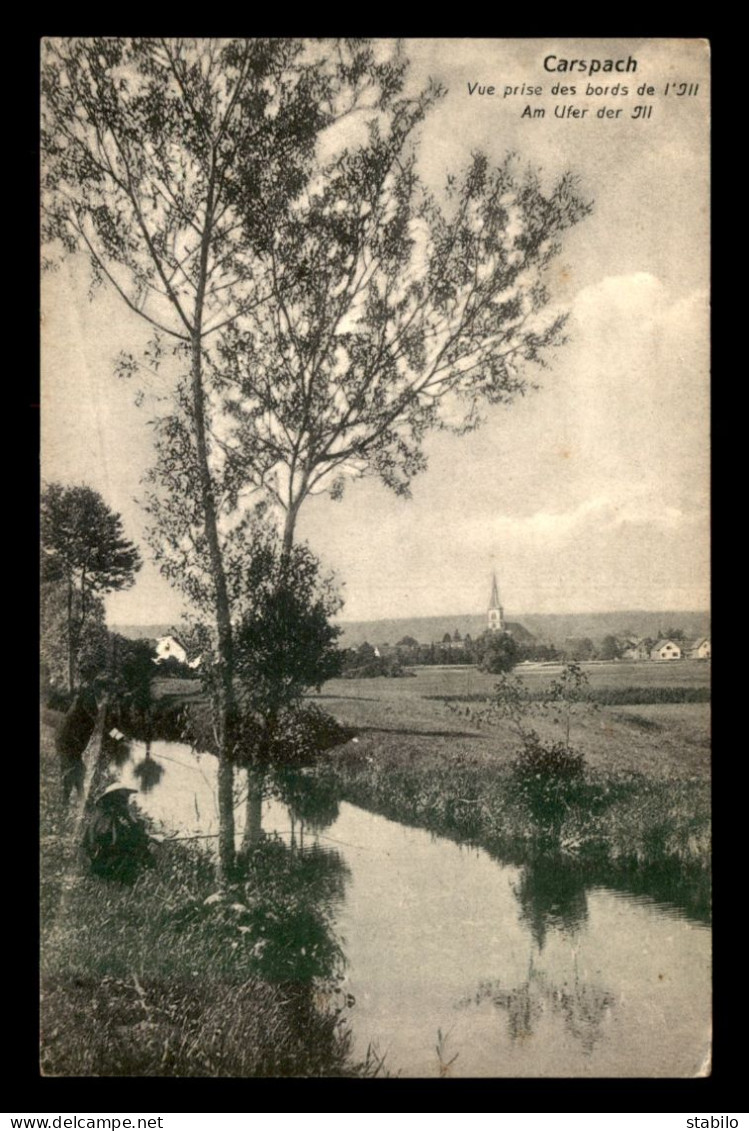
456,959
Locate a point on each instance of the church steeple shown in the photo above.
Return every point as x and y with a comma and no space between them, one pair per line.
496,618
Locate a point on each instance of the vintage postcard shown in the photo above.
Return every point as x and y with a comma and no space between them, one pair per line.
375,631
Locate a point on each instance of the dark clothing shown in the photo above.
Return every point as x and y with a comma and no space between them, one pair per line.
71,740
116,842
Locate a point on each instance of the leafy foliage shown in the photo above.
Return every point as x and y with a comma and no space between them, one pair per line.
294,738
579,648
547,777
610,648
131,671
83,542
392,313
84,555
497,652
284,641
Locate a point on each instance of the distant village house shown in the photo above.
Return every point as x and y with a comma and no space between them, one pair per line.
169,648
636,650
700,650
666,650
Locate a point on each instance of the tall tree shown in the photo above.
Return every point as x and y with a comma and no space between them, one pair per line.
84,555
166,163
318,316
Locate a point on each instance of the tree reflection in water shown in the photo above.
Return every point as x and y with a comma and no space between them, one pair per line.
581,1005
292,890
288,911
311,796
149,772
552,895
116,751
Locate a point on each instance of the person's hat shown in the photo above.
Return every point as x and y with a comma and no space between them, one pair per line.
116,787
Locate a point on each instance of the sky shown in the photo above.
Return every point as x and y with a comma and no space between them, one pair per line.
590,493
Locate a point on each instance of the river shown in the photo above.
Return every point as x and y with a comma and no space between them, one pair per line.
462,965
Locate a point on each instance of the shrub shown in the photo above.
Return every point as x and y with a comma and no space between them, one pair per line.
497,653
549,760
546,774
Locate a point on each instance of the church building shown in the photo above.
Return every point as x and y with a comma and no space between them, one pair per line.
496,618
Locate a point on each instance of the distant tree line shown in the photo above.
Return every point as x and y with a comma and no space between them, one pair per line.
491,651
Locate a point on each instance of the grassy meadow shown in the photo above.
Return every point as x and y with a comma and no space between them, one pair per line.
427,719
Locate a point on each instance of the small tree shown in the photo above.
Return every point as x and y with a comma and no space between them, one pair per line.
546,772
497,652
579,648
568,694
284,641
85,554
131,669
284,645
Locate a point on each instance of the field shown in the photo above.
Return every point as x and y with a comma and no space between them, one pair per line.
407,721
650,718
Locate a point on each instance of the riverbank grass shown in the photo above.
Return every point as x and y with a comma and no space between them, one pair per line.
166,978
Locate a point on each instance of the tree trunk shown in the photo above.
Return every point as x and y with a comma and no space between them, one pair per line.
226,707
289,532
290,527
226,703
253,828
71,652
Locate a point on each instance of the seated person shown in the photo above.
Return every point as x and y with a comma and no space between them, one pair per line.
115,840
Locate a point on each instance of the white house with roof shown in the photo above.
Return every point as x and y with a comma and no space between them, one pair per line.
700,649
169,648
666,650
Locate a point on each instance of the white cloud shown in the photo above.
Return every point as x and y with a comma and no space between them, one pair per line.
596,516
